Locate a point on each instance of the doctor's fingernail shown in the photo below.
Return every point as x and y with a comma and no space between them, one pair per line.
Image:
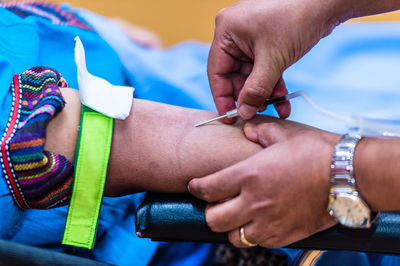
246,111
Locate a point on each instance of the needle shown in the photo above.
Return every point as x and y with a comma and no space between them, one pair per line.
234,112
229,114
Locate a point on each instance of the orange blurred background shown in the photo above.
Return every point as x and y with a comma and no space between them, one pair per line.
175,20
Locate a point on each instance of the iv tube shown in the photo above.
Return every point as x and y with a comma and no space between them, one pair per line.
366,127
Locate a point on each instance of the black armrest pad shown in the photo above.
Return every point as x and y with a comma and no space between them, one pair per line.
180,217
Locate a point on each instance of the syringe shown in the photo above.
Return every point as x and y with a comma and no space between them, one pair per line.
234,112
358,125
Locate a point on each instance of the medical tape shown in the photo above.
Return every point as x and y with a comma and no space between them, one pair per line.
91,163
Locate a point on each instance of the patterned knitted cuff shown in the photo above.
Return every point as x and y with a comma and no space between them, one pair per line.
36,178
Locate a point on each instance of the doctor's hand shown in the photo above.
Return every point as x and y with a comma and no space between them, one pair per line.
255,41
280,194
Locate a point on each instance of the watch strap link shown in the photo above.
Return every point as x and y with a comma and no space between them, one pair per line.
342,170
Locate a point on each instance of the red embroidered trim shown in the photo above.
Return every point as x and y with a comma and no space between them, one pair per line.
51,11
8,134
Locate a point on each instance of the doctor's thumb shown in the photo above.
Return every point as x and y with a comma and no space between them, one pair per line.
257,88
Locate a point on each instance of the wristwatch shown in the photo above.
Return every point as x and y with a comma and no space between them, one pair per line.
345,204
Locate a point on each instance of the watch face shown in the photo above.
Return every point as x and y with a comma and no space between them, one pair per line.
349,210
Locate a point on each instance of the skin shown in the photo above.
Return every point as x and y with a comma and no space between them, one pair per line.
267,194
255,41
376,163
280,194
156,151
286,185
165,151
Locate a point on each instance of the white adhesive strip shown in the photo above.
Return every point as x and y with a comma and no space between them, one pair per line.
99,94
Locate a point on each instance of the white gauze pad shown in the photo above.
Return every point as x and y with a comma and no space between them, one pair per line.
99,94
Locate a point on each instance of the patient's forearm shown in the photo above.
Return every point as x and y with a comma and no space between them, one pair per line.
157,147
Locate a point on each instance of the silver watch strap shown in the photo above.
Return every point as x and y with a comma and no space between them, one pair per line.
342,170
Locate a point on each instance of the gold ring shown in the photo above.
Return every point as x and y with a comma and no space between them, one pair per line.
243,238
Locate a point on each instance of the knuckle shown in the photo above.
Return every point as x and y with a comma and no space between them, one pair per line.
234,239
271,128
255,93
274,126
213,223
272,242
221,16
197,188
248,175
211,75
260,206
203,192
210,220
271,132
252,236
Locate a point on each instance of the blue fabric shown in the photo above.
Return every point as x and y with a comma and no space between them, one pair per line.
176,75
33,41
353,71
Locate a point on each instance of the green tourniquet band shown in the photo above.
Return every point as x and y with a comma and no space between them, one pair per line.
91,162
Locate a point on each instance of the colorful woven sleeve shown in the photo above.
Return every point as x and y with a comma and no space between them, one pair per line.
37,178
56,13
